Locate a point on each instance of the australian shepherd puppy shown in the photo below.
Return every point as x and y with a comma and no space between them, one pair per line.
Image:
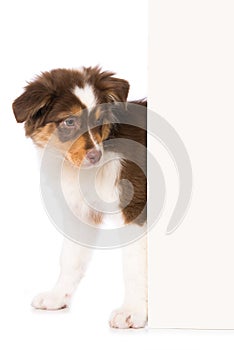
82,113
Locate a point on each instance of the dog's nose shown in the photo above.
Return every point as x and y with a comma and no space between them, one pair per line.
94,155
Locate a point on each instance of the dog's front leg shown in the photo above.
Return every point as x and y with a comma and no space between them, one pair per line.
73,262
133,313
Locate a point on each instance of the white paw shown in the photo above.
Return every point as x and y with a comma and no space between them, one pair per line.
128,318
52,300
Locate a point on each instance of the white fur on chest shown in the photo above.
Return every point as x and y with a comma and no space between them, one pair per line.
94,189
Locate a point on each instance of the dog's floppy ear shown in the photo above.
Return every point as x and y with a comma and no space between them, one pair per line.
117,89
35,98
110,88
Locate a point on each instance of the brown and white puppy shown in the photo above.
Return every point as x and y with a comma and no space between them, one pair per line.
75,111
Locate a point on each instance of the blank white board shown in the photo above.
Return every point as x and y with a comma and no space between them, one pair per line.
191,85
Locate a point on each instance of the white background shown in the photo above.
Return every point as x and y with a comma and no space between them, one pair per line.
37,36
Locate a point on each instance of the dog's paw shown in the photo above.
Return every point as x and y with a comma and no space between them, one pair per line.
52,300
128,318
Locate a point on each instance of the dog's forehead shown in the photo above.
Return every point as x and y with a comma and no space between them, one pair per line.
86,95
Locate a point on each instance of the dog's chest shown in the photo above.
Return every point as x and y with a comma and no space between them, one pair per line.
92,190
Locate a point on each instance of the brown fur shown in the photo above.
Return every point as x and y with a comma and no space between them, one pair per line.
95,217
48,101
134,210
50,94
43,134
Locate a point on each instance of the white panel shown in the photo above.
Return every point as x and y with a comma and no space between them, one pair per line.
191,85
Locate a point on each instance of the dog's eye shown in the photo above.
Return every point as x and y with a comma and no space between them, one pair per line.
71,122
69,128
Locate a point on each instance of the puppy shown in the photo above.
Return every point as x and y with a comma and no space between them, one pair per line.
82,113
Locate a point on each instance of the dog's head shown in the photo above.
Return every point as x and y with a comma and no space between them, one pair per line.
69,104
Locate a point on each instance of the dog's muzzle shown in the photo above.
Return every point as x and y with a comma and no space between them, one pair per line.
94,155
